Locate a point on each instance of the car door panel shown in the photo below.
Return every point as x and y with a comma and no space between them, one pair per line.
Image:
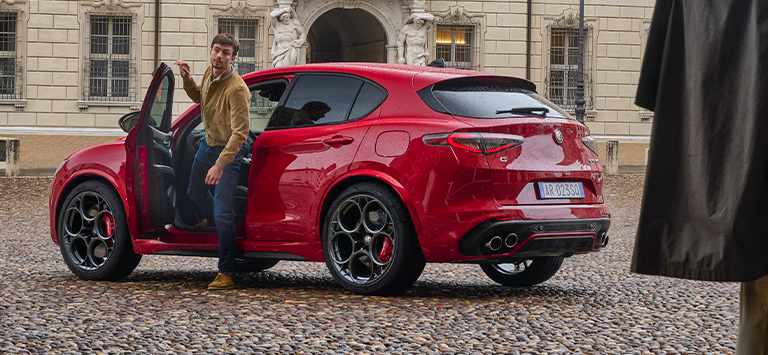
311,140
149,165
292,170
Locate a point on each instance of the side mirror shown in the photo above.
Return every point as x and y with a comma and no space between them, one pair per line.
129,120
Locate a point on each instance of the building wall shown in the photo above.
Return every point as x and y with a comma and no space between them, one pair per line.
53,48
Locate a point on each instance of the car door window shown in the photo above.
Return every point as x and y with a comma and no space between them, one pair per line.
369,98
317,99
160,111
264,98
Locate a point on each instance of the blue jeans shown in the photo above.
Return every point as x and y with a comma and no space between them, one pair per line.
217,207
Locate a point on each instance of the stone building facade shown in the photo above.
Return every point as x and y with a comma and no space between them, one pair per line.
70,69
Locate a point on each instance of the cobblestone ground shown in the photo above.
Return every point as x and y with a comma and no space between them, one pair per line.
594,305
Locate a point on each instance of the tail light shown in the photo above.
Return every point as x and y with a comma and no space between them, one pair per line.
590,143
481,143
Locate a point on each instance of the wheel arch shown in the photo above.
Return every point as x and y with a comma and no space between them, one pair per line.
368,176
84,176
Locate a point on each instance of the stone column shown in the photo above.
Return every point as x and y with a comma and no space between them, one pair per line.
418,6
612,157
392,53
11,156
303,53
284,3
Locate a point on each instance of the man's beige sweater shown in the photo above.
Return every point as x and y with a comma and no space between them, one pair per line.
224,103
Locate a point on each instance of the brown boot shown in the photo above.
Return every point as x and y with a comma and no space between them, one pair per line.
222,282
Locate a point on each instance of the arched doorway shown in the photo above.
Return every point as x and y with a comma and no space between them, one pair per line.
346,35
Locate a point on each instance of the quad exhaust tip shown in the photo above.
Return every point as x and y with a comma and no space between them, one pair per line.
511,240
604,240
494,244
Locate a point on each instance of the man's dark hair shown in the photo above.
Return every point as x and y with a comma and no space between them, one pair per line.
226,39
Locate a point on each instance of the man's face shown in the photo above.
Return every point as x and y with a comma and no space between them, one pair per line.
222,56
285,18
418,23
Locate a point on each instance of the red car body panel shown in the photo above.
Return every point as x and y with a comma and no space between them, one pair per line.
293,178
290,174
105,161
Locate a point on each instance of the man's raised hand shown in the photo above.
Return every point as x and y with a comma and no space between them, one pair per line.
184,70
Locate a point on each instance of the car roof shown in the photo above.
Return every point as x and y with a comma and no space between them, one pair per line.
422,76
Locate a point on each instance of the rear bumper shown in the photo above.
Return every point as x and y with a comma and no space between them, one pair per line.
522,239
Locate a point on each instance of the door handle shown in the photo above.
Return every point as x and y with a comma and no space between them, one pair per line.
338,141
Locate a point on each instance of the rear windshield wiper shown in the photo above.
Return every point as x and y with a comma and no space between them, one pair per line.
538,111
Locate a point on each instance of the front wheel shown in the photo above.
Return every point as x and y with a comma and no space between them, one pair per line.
93,233
524,273
369,243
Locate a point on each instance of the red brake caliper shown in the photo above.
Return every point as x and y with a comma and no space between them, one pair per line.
109,224
386,250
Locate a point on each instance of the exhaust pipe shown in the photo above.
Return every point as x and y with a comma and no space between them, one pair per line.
604,240
494,244
511,240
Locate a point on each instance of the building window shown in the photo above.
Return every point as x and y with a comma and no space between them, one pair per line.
246,31
110,66
563,70
457,41
454,45
10,65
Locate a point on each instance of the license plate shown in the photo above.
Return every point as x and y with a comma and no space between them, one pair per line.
560,190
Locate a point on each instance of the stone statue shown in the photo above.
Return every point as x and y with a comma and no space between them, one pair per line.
289,37
413,40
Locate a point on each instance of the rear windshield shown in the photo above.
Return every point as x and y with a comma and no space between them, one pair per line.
488,99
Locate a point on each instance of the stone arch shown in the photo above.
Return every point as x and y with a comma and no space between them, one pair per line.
390,18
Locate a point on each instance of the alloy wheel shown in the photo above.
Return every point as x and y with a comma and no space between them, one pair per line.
362,242
89,230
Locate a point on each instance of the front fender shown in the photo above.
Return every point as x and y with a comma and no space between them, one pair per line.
71,174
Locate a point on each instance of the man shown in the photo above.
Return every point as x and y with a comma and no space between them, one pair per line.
224,99
289,37
706,189
413,40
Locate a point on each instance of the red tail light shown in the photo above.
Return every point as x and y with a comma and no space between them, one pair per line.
481,143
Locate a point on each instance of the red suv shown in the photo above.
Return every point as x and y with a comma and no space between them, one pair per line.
400,165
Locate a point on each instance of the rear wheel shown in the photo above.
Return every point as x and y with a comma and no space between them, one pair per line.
254,265
524,273
93,233
369,242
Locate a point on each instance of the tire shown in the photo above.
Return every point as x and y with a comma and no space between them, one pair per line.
254,265
93,233
369,243
525,273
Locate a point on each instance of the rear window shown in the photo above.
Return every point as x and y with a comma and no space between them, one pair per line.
495,97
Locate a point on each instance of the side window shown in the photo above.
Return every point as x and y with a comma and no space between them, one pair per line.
317,99
264,99
160,111
369,98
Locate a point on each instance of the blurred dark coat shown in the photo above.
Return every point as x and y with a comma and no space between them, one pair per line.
705,207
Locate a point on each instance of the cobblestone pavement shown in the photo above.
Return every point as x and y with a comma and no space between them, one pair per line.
594,305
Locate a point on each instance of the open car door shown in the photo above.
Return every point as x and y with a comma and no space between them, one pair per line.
149,170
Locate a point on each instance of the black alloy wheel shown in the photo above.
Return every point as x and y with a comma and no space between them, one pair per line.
369,243
93,233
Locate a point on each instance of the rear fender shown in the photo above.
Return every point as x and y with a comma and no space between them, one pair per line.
355,176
